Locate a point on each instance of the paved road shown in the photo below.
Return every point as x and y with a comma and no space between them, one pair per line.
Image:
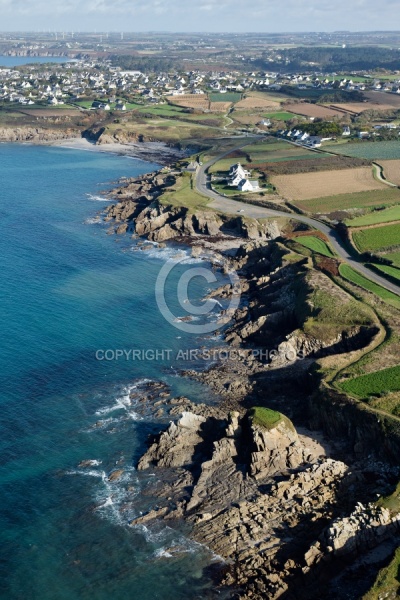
258,212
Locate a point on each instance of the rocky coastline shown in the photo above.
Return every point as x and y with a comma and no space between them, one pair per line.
289,510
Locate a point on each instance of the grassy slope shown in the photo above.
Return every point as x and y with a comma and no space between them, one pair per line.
394,257
392,271
377,216
351,275
316,244
378,382
183,193
268,419
383,197
387,584
377,238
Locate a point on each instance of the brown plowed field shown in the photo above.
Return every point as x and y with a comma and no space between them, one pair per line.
220,106
359,107
312,110
391,170
385,98
253,102
199,101
305,186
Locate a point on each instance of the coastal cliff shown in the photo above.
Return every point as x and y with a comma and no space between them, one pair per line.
37,134
281,508
140,211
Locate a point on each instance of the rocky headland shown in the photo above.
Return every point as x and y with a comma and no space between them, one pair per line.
280,477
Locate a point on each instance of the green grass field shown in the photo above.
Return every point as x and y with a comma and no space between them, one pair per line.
315,244
376,216
292,156
377,238
374,383
371,150
162,111
183,193
225,163
228,97
394,257
279,116
387,270
382,197
354,277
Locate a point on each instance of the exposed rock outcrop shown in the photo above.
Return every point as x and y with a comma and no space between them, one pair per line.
36,135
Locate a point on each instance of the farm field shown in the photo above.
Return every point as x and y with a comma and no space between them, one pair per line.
313,110
393,272
354,277
257,102
377,238
375,217
315,243
279,116
356,108
392,100
394,257
225,163
245,117
220,106
166,110
228,97
270,95
306,186
325,205
166,130
313,161
276,157
377,382
50,112
199,101
391,170
372,150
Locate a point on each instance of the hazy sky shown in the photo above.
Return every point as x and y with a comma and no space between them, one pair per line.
199,15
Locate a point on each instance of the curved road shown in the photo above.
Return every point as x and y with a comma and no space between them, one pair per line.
226,205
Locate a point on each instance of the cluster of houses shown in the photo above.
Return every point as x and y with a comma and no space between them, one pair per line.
72,81
304,138
239,177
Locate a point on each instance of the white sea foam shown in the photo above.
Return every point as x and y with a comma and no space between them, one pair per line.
161,553
95,198
92,220
123,402
152,250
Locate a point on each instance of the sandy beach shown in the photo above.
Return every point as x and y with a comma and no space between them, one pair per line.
157,152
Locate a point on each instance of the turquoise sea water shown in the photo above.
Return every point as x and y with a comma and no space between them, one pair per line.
17,61
68,289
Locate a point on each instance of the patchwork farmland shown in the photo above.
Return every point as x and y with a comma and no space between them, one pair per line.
391,170
306,186
370,150
313,110
341,202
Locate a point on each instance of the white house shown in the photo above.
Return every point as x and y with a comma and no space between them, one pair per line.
236,174
346,130
245,185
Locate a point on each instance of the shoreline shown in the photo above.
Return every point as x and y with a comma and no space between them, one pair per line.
301,476
151,152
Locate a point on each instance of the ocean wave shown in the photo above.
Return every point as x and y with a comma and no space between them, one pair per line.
95,198
153,251
125,401
92,220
